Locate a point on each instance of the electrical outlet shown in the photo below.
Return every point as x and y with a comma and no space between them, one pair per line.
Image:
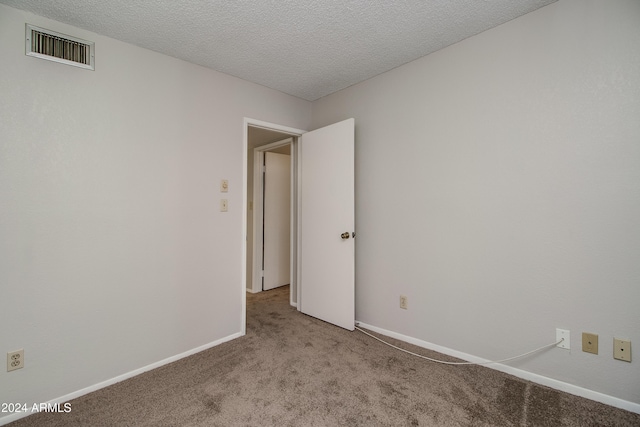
224,205
565,336
622,349
15,360
590,343
403,302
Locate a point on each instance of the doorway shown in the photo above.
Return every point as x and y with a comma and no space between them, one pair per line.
262,137
322,222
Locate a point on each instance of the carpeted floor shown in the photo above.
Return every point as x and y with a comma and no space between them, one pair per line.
294,370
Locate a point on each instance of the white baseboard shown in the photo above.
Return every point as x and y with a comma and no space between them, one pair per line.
538,379
103,384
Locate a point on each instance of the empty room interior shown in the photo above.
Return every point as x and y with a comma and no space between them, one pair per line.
496,189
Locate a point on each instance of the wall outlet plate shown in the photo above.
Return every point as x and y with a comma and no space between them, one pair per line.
565,336
590,343
622,349
15,360
403,302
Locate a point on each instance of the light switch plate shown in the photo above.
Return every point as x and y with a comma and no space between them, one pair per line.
224,186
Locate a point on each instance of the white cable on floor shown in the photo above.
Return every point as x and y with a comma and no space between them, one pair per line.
460,363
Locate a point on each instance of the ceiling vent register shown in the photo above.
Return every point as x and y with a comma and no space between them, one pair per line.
47,44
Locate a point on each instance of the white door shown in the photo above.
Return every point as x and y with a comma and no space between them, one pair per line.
277,220
327,224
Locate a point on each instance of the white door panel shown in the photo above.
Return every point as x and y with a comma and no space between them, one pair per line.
327,210
277,220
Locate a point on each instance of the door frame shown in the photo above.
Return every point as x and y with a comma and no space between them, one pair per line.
258,213
294,133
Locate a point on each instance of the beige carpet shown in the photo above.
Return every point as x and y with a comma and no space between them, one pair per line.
294,370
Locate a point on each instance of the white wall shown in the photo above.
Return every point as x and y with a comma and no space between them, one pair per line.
498,187
113,252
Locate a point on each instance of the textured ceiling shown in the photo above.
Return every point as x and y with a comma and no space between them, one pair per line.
306,48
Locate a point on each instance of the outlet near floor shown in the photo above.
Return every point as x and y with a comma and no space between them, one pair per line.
622,349
403,302
15,360
590,343
563,337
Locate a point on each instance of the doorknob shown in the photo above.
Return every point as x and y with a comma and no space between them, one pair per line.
344,236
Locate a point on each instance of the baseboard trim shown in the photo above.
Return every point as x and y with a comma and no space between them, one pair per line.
16,416
529,376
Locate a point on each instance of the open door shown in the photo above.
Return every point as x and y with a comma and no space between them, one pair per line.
326,257
277,221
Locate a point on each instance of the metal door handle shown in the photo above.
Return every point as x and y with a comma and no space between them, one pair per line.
345,235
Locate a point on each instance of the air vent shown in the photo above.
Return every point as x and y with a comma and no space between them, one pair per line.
47,44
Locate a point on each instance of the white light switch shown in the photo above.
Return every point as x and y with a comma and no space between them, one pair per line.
224,186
